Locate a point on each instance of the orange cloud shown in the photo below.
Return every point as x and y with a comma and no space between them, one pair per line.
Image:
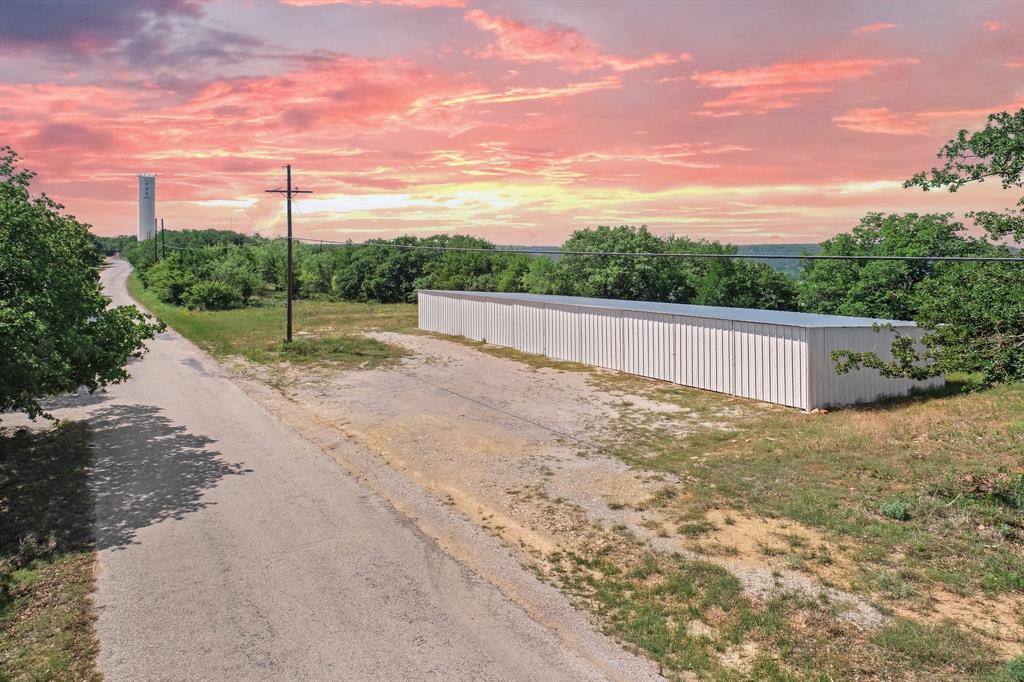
782,85
882,121
573,51
873,28
994,25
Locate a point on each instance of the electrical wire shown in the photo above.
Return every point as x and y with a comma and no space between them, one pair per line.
752,256
636,254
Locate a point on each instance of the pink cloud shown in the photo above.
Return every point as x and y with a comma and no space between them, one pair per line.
523,94
882,121
414,135
1014,65
994,25
873,28
782,85
573,51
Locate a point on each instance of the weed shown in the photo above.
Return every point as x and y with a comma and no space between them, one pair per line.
695,529
898,510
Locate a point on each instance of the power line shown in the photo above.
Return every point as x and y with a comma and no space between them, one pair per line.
648,254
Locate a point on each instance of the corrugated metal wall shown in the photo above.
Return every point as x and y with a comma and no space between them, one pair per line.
861,386
784,364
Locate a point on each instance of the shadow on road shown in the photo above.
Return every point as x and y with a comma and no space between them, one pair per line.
81,398
145,470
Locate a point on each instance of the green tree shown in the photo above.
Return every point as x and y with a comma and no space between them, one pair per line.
543,276
169,279
704,281
212,294
997,151
473,270
237,267
58,333
639,278
972,314
882,288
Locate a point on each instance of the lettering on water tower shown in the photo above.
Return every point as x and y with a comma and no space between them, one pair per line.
147,206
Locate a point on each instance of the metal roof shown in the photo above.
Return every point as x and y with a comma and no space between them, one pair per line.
782,317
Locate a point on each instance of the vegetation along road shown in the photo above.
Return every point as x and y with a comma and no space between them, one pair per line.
231,548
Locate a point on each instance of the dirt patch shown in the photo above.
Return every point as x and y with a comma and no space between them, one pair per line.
741,656
526,451
999,621
778,544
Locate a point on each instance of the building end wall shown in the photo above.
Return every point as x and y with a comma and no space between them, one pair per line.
859,386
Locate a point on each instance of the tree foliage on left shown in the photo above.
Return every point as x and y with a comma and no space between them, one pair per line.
58,333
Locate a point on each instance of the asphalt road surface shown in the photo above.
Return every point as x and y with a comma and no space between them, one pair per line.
230,548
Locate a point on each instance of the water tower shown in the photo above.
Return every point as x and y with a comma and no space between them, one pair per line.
147,206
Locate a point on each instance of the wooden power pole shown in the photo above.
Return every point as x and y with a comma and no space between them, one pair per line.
289,192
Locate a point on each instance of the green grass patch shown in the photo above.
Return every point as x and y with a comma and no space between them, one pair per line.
324,331
46,556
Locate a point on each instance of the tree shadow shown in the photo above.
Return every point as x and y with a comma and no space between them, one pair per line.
80,398
954,386
145,470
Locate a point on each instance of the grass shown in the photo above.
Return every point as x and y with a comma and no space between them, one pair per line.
46,556
324,331
931,487
690,615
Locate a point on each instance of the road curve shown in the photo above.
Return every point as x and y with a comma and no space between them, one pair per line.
230,548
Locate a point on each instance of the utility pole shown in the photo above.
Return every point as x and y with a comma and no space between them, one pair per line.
163,240
156,250
289,192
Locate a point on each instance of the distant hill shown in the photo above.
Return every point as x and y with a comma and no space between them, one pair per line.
787,265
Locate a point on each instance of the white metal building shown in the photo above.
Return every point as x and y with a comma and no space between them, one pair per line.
775,356
147,206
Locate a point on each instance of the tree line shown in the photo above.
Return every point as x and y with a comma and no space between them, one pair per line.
216,270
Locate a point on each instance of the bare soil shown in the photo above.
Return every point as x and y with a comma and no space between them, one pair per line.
525,451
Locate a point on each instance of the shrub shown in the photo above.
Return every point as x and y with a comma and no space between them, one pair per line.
212,295
896,509
169,280
239,271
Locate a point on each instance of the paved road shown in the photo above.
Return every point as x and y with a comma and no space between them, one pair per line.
231,548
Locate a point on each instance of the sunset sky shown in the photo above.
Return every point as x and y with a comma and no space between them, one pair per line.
515,121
